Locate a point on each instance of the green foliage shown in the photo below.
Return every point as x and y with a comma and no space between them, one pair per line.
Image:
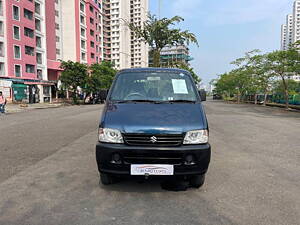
255,73
283,65
159,33
90,79
74,75
101,77
294,87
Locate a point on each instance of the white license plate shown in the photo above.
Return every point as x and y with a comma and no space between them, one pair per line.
151,169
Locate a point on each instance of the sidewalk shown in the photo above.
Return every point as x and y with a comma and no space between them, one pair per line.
14,108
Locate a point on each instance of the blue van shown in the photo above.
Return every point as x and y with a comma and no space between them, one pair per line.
153,124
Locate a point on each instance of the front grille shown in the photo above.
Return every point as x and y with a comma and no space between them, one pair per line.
164,140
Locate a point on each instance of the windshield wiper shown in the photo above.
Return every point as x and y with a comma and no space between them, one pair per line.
180,100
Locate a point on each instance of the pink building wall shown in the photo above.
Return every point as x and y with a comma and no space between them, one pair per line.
50,35
90,26
23,22
50,29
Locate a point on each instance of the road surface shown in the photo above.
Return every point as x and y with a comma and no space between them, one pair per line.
48,172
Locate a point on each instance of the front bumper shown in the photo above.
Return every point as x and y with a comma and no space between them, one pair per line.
153,155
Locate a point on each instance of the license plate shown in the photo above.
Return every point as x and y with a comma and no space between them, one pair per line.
151,169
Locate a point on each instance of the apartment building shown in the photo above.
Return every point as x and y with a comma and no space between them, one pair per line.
81,31
291,28
290,32
23,50
283,37
36,34
120,44
171,55
296,21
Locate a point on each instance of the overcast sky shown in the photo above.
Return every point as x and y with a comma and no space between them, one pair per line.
226,29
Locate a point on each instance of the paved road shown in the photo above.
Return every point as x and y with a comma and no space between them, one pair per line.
48,172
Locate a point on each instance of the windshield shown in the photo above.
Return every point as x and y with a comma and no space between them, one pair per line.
147,86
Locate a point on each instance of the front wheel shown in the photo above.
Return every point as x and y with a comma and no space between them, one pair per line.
197,181
106,179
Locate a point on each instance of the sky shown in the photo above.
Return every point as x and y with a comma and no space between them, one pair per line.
226,29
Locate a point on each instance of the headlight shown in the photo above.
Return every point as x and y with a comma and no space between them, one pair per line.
110,136
196,137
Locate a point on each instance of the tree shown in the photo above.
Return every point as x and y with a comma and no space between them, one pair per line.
294,87
74,75
260,78
284,64
101,77
158,33
225,86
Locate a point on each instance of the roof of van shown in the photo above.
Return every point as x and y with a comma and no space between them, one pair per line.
152,69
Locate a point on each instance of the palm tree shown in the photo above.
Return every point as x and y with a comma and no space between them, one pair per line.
158,33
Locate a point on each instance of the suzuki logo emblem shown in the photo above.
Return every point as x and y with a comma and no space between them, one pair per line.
153,139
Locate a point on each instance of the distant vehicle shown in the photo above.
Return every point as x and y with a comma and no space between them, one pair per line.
217,97
153,124
97,98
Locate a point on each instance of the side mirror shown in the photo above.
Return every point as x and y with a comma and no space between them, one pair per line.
202,94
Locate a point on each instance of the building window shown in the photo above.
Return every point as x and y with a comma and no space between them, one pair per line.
57,38
92,55
2,69
39,58
37,8
1,28
2,49
16,31
56,13
83,44
38,24
38,41
92,32
39,73
28,14
91,8
83,56
1,8
56,26
82,7
57,51
17,52
29,50
82,32
91,20
16,12
18,70
30,68
82,20
28,32
92,44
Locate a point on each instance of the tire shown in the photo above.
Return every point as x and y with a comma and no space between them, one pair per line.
106,179
197,181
